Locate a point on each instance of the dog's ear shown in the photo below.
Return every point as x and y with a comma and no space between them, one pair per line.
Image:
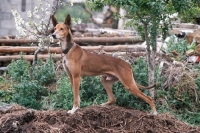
54,20
68,20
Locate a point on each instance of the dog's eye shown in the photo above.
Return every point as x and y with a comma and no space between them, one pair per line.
61,28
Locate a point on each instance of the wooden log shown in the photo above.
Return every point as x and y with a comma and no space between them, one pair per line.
57,50
107,40
133,48
80,40
18,49
29,57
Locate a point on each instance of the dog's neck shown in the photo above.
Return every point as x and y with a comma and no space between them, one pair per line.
63,43
66,44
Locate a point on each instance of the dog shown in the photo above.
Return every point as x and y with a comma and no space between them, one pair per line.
79,62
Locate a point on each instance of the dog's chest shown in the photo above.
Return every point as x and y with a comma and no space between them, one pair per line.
66,62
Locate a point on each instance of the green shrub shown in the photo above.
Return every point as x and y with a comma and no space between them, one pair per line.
31,81
19,70
63,97
140,70
6,96
44,73
29,94
91,92
180,47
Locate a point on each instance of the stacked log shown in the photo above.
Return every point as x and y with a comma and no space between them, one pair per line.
81,41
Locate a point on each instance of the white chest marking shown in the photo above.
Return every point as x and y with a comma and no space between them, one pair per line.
65,63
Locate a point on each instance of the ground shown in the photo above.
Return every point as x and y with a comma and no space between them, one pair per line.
92,119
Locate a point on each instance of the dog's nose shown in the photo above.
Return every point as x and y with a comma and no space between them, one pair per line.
54,36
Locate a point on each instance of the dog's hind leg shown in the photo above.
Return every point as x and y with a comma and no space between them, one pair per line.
107,82
130,84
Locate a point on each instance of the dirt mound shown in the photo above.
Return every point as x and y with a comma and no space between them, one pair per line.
93,119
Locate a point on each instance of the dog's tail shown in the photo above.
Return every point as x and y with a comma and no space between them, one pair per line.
145,87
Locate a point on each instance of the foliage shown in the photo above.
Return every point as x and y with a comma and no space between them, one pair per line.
191,13
182,100
63,97
6,96
30,88
76,11
177,46
44,73
140,69
19,70
29,93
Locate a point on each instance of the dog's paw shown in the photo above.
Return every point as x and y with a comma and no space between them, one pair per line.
155,113
103,104
73,110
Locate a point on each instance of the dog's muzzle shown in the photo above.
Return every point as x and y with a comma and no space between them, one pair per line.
54,36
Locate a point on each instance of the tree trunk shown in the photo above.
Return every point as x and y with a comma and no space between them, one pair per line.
150,61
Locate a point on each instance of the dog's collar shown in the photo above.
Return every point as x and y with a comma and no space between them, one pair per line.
68,48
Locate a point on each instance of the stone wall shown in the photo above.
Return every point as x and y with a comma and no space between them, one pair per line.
7,23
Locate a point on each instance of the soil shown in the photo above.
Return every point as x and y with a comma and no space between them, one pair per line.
92,119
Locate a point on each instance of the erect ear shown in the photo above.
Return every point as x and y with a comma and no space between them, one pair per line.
68,20
54,20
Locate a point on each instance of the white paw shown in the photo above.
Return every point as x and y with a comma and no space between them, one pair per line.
103,104
155,113
73,110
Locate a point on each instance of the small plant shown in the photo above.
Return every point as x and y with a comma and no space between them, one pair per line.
140,70
29,93
19,70
63,97
31,81
6,96
44,73
178,47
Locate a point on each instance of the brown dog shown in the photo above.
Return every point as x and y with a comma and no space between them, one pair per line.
79,62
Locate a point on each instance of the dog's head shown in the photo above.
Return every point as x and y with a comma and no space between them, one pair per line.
62,31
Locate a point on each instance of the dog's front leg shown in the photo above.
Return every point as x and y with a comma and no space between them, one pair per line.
76,86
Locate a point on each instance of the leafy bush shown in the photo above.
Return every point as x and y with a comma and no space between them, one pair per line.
6,96
19,70
44,73
179,46
31,80
140,70
63,97
29,93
